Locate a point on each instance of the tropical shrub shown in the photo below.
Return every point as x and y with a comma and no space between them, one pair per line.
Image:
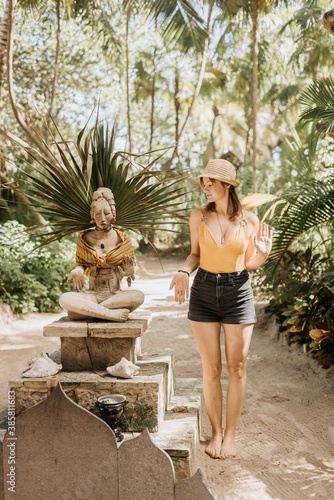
303,301
32,281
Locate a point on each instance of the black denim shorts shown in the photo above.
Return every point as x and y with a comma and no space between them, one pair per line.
222,297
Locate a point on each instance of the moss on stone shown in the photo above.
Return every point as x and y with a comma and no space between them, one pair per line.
137,417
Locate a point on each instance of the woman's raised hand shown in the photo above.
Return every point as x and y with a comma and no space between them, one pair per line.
263,240
181,283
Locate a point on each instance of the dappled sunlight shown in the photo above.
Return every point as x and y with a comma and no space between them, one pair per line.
12,347
257,479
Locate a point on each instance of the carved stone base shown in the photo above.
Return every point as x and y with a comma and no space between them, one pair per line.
96,344
79,354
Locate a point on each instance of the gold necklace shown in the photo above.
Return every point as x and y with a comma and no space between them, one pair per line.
222,239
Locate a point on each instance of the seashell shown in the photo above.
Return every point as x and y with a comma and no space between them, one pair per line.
42,366
123,369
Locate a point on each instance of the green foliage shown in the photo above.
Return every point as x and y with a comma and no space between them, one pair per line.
318,102
31,282
303,301
144,196
309,204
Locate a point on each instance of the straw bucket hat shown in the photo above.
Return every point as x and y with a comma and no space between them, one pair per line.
221,170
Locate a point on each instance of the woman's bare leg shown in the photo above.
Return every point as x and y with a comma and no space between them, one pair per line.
237,342
207,337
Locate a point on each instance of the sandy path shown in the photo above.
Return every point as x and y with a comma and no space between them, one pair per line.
286,432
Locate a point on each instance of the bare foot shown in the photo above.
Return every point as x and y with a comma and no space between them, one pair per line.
228,448
214,446
119,314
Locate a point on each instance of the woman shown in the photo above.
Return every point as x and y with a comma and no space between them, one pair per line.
226,243
106,255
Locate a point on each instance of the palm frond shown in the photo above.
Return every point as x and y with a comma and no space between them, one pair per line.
62,190
308,205
302,157
318,102
179,20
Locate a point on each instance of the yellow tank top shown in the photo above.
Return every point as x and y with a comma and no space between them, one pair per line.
228,258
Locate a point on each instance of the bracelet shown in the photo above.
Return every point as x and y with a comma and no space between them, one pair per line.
182,271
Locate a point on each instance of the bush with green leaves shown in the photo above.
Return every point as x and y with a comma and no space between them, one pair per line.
303,301
33,281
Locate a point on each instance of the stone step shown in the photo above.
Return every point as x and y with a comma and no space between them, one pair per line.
186,387
179,432
148,393
157,355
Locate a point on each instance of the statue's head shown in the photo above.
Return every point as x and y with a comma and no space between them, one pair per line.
102,209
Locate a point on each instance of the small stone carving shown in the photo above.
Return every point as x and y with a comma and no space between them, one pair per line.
106,255
42,366
123,369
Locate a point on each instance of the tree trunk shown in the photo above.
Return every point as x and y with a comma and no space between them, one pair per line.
197,89
249,128
213,151
152,101
3,41
177,104
55,74
17,114
254,12
127,81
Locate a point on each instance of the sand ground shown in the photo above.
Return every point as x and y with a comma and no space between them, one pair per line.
286,432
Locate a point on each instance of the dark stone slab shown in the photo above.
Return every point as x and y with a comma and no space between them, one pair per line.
62,452
145,471
193,488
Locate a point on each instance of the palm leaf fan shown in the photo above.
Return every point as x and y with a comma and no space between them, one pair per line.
61,190
318,102
308,205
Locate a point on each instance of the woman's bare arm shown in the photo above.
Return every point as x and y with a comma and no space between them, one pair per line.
181,280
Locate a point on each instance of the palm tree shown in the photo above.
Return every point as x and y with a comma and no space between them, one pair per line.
179,131
178,19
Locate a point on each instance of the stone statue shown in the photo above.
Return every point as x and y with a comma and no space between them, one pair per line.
106,255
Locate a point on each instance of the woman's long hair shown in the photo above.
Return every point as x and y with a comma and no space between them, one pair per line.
235,205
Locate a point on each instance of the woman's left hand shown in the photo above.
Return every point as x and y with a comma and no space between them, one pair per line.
263,240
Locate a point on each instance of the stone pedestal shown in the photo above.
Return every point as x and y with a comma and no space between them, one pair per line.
87,348
94,345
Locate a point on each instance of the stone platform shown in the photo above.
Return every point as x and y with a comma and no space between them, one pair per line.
96,344
147,393
172,412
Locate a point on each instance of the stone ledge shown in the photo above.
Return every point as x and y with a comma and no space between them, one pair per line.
146,393
161,355
134,327
178,436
